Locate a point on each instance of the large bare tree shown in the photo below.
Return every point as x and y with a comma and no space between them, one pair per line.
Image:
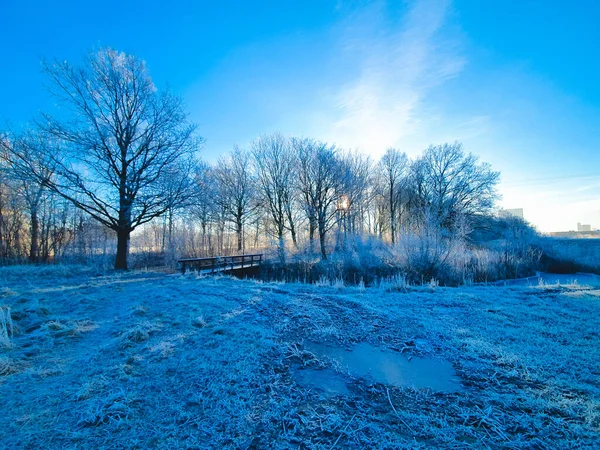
126,152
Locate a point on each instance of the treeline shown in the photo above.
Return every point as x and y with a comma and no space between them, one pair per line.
301,192
126,158
39,226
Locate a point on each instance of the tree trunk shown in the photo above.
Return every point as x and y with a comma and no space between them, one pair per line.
393,222
322,230
163,240
292,227
123,232
294,238
239,232
204,251
35,227
281,245
311,233
322,242
122,249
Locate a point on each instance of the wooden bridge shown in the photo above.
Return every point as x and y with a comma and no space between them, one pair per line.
221,264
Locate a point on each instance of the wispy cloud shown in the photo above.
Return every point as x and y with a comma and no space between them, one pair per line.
398,60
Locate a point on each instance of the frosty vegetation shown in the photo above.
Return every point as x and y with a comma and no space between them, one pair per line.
117,171
148,360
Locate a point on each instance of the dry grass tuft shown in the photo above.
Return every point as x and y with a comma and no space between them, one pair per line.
164,348
84,326
138,333
139,310
55,325
111,409
8,366
199,322
6,327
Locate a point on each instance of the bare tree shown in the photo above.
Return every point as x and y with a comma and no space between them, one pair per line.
456,184
32,189
12,218
112,158
320,186
393,168
204,208
274,167
237,190
306,185
355,194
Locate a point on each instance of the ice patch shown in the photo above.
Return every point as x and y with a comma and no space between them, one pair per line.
327,381
388,367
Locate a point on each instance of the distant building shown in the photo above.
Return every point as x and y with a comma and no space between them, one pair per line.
515,212
582,227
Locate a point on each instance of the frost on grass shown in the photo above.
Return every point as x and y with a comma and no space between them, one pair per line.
8,366
7,330
138,333
145,360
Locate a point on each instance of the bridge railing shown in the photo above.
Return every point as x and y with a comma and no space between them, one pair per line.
221,263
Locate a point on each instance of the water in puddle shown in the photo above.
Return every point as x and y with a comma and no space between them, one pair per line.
387,367
327,381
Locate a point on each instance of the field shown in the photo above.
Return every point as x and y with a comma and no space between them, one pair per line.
150,360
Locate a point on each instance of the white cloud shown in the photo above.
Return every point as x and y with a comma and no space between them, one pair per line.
397,62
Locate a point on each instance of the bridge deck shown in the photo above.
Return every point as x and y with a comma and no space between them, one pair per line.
221,264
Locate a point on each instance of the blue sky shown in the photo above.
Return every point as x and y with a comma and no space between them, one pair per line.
516,81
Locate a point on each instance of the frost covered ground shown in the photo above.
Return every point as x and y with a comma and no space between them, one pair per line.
148,360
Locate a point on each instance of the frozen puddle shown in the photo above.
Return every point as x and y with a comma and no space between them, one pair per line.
327,381
381,366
